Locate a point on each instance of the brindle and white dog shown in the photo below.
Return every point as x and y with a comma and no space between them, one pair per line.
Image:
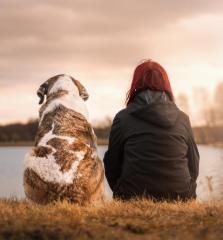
64,164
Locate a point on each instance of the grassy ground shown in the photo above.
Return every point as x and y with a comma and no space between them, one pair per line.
141,219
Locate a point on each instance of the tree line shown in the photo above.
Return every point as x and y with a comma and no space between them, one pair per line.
19,132
210,111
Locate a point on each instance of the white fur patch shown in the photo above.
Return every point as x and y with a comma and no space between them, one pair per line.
71,100
64,83
47,168
43,141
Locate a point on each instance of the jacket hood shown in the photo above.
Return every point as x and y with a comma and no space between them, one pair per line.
154,107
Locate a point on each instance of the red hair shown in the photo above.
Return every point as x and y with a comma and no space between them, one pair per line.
149,75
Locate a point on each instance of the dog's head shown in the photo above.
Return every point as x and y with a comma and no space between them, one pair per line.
61,82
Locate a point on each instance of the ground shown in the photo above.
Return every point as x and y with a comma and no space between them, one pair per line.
138,219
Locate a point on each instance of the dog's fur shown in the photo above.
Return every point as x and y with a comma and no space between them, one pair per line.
64,164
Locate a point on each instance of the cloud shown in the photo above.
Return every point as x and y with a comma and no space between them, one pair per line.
54,31
102,41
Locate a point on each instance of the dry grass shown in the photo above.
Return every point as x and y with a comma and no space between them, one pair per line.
140,219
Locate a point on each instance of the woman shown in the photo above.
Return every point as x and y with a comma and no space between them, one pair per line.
151,152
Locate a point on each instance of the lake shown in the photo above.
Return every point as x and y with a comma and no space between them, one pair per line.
210,181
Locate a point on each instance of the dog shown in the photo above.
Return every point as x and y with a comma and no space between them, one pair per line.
64,164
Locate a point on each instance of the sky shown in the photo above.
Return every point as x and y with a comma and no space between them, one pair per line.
100,43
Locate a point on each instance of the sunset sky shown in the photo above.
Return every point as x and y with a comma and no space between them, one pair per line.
100,43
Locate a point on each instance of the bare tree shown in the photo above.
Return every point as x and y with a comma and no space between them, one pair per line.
218,98
202,97
183,103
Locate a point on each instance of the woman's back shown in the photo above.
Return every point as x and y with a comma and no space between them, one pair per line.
155,137
152,150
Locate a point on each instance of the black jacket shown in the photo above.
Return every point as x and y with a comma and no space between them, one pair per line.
152,150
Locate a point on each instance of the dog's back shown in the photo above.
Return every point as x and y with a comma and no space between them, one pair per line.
64,163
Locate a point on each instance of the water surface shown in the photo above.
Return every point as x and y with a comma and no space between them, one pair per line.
210,181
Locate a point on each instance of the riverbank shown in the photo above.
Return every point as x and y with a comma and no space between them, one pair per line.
218,145
134,220
100,142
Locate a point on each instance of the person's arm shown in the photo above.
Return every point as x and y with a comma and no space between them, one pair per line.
113,157
193,155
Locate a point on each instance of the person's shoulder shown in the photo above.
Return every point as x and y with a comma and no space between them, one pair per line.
122,113
183,116
121,116
118,120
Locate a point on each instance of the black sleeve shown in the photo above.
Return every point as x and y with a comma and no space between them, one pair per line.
193,155
113,157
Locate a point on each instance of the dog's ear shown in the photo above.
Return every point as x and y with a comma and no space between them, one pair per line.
82,90
42,91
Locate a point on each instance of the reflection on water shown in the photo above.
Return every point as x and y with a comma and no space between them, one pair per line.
210,181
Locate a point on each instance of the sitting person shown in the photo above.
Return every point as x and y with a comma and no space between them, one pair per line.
151,152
